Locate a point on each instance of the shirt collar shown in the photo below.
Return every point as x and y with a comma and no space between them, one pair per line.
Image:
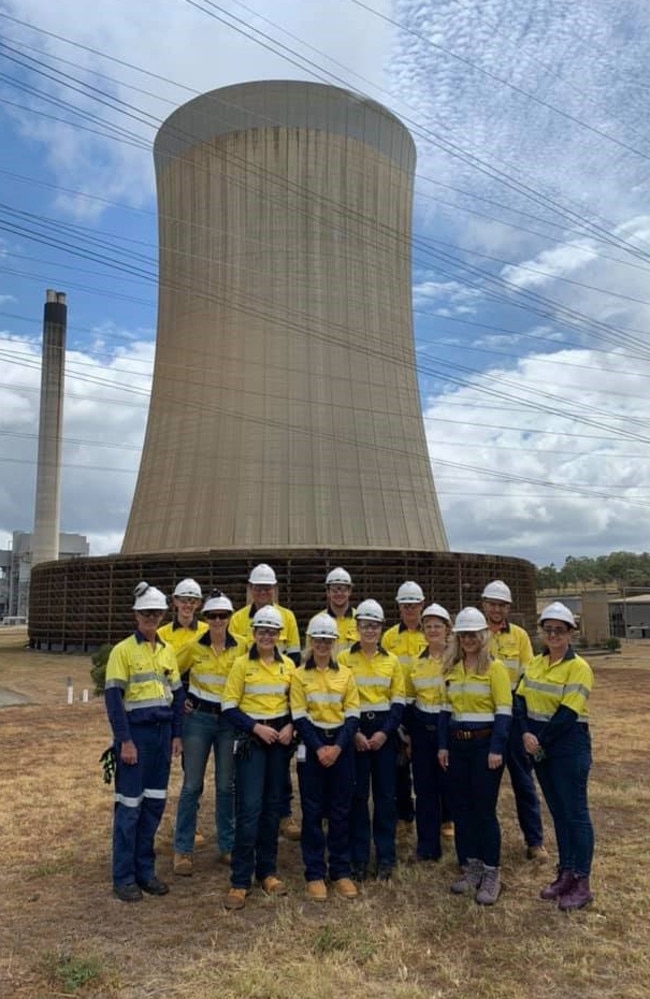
253,653
139,637
310,663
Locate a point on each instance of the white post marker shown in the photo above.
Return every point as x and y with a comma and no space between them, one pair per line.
84,696
70,691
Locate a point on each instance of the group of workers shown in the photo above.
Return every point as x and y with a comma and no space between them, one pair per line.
453,701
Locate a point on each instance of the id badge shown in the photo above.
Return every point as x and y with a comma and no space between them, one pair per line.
301,755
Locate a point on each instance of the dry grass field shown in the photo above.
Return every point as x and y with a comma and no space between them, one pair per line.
61,932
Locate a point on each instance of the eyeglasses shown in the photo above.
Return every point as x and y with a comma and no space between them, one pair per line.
216,615
555,631
368,625
188,600
273,632
150,613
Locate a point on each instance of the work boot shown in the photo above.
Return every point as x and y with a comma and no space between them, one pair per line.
562,883
447,830
199,838
235,899
490,887
345,888
289,828
128,893
578,894
538,853
183,865
224,858
470,879
316,891
271,885
154,887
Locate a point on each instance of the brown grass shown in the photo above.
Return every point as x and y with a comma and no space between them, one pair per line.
61,932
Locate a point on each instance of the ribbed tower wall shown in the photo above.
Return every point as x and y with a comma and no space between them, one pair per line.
285,409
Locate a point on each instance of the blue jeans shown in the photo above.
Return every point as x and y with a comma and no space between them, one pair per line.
326,791
140,793
474,790
377,768
204,733
428,778
563,780
520,768
260,781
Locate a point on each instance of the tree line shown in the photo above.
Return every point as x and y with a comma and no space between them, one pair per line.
617,568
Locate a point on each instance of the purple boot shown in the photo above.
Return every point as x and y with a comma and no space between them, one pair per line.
562,883
579,894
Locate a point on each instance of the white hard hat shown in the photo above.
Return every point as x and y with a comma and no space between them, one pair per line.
436,610
370,610
338,575
410,593
188,588
470,619
557,612
497,590
322,626
262,575
148,598
218,601
267,617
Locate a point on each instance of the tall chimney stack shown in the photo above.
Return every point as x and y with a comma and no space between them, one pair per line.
47,512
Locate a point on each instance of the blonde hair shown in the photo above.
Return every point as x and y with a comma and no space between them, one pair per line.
454,653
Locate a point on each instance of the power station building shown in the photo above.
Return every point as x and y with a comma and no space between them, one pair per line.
285,423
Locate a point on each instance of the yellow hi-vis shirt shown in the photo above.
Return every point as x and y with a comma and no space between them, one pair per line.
406,645
208,669
178,637
241,623
325,697
425,685
347,629
546,686
379,678
512,647
147,677
477,697
259,690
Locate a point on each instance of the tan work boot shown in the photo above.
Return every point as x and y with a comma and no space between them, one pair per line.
447,830
289,828
183,865
272,885
537,853
235,899
345,888
199,838
316,891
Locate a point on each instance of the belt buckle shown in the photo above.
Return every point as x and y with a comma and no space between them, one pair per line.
465,734
370,715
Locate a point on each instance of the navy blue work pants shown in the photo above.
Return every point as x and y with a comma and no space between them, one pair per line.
326,792
520,768
474,790
140,793
374,769
563,780
428,778
260,780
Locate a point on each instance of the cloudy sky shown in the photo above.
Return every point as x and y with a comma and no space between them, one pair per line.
531,239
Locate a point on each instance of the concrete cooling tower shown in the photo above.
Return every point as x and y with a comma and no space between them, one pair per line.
285,423
285,409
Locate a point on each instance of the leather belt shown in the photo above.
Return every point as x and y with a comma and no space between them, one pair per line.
205,706
465,734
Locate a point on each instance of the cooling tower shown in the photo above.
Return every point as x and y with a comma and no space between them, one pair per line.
285,409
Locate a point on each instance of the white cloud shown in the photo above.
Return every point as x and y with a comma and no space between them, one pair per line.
104,420
195,52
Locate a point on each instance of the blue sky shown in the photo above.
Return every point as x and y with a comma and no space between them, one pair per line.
531,240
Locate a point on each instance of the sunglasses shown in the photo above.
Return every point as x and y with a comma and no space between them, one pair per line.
216,615
273,632
555,631
150,613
